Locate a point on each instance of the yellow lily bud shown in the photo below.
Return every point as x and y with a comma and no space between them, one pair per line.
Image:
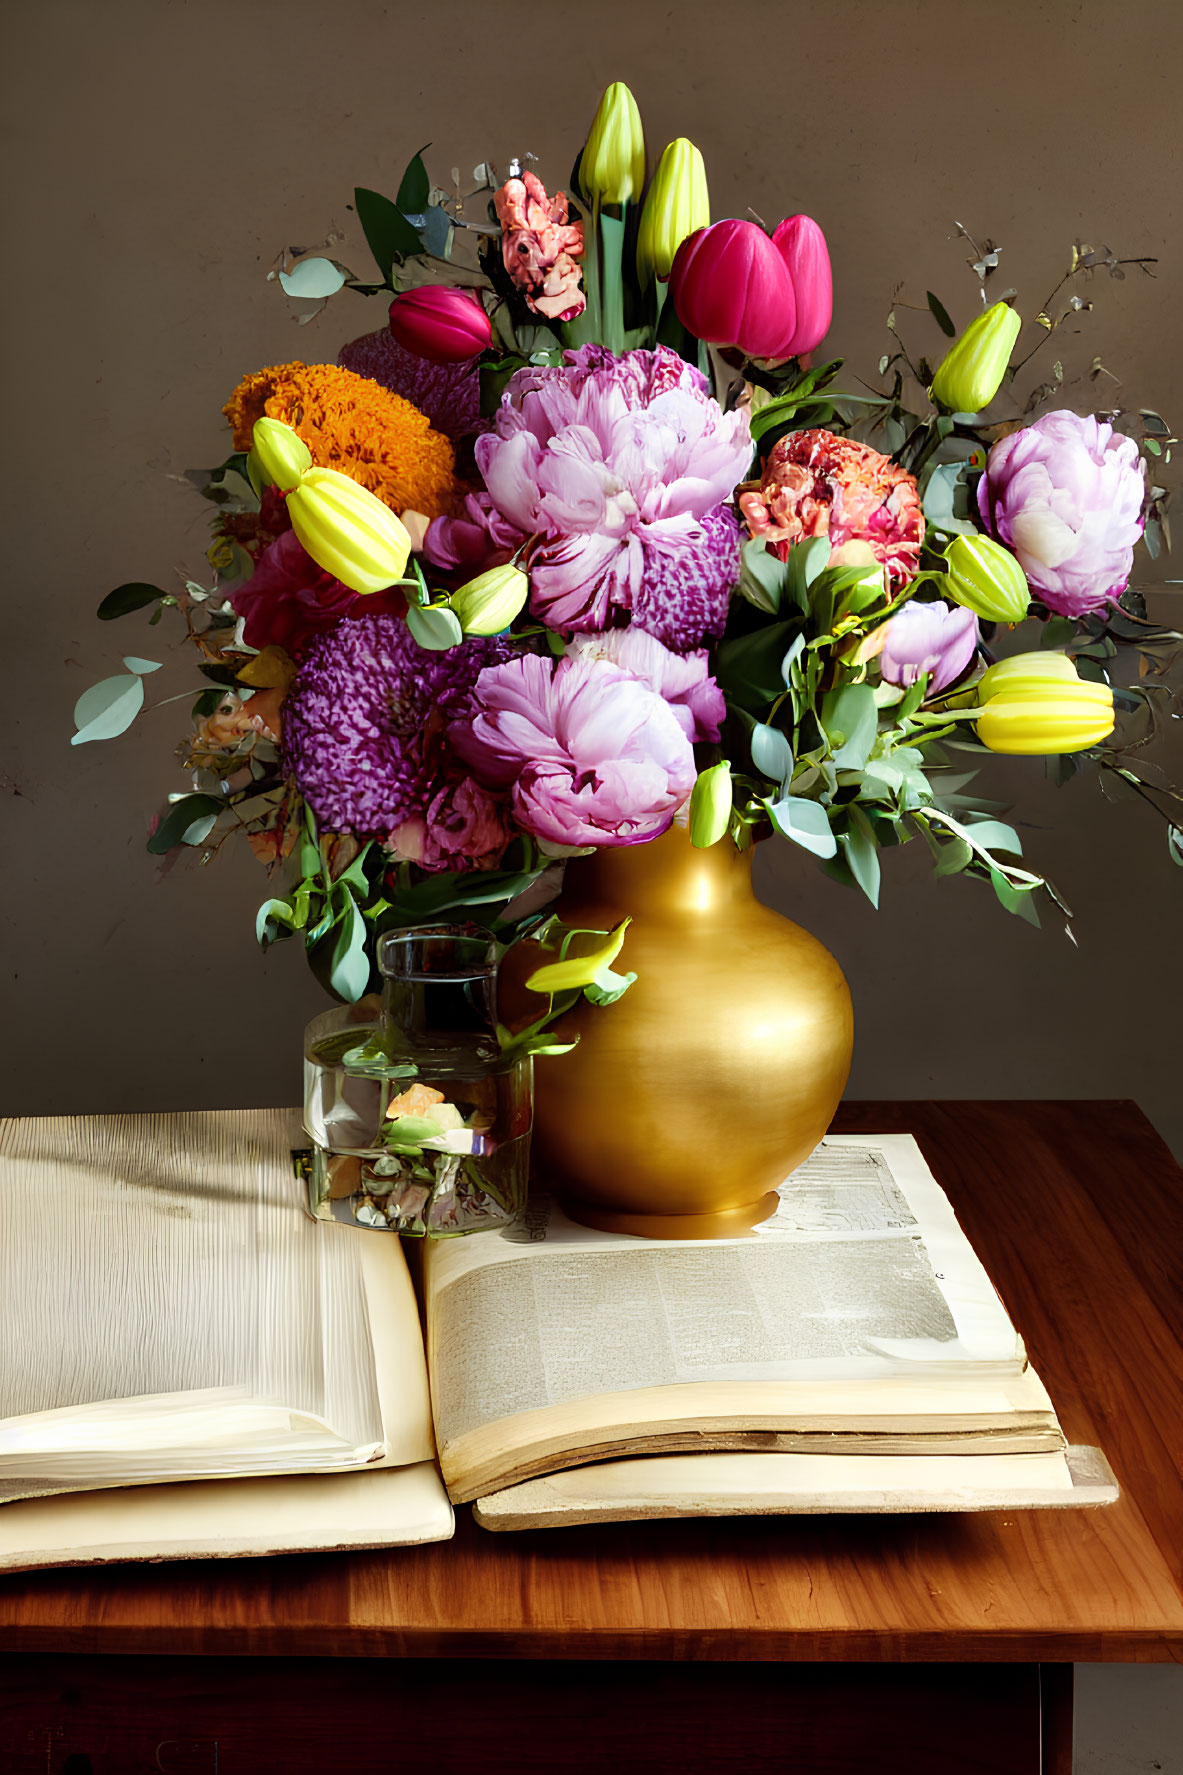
348,531
986,578
579,971
612,167
1063,718
677,204
278,456
710,806
1026,674
488,604
971,371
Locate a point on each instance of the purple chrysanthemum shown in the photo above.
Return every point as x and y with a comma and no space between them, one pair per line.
684,594
360,720
450,394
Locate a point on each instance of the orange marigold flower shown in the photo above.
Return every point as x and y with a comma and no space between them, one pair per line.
354,425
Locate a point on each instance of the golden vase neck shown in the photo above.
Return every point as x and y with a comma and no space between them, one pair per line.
668,877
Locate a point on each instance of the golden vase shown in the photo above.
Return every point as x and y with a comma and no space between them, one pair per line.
691,1099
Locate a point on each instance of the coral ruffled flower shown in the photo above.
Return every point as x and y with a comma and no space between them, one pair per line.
816,484
539,247
617,468
589,754
355,426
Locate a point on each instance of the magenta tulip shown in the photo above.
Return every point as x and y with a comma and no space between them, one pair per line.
730,286
802,246
440,323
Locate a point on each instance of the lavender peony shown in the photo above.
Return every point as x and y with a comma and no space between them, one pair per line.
363,720
591,755
681,679
617,466
937,638
1066,495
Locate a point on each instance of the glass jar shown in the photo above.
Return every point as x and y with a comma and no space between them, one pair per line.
419,1123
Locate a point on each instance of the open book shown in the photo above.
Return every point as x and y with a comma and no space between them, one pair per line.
169,1312
857,1321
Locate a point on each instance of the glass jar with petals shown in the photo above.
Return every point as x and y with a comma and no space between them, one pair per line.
419,1123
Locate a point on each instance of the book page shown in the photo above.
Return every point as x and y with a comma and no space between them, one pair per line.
167,1307
862,1273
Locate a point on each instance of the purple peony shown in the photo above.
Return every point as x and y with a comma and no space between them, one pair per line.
1066,495
937,638
363,721
617,466
450,394
590,754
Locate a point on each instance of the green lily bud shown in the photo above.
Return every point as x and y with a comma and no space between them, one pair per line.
1063,717
579,971
677,205
612,166
1026,674
971,371
488,604
348,531
710,805
278,456
986,578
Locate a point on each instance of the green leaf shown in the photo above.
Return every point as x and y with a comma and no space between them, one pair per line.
851,713
940,316
273,919
387,230
434,628
312,279
939,497
862,854
206,703
805,822
107,708
1057,631
349,965
747,668
126,598
955,856
912,699
141,667
608,986
762,575
1015,899
995,835
1175,844
807,561
179,818
415,186
772,754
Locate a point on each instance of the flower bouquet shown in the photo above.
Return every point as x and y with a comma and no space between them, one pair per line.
582,548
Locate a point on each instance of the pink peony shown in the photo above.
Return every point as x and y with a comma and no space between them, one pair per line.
681,679
611,464
590,754
1066,495
463,827
816,484
539,247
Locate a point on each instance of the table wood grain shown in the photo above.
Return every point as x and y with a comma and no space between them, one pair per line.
1077,1212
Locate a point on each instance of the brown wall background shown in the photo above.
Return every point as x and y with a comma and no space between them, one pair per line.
159,156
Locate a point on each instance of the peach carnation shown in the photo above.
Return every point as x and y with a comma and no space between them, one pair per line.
539,247
816,484
355,425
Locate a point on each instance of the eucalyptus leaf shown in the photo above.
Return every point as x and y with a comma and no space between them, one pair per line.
200,830
1175,844
108,708
136,595
349,966
851,713
1057,631
434,628
805,822
939,496
772,754
862,854
387,230
747,667
940,315
414,186
179,818
312,279
955,856
762,575
141,667
995,835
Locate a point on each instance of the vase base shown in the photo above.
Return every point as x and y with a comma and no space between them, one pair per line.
723,1223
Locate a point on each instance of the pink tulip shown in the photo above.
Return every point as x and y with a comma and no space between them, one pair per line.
730,286
443,324
802,246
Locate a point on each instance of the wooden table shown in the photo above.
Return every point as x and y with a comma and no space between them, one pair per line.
793,1644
